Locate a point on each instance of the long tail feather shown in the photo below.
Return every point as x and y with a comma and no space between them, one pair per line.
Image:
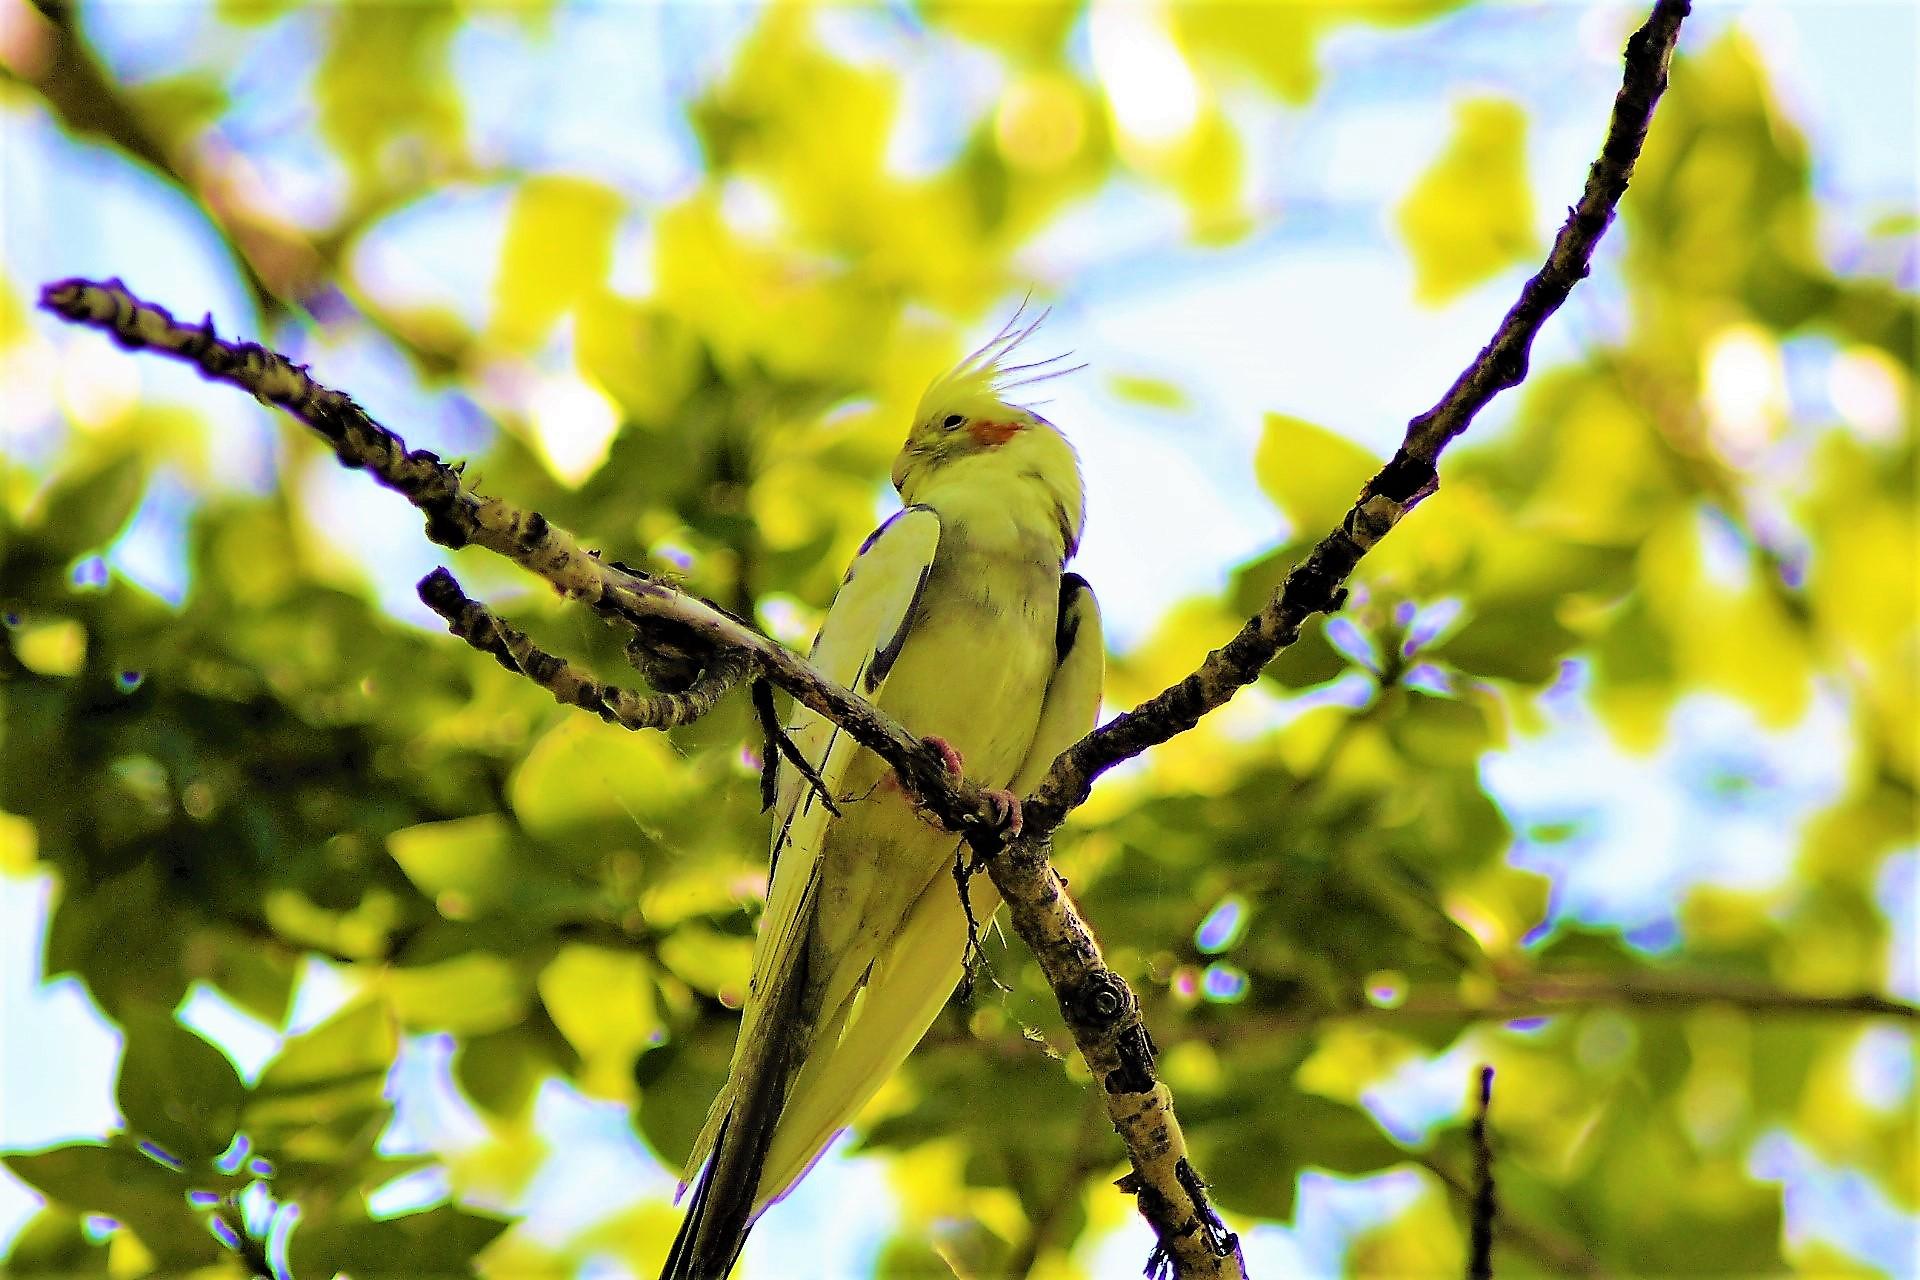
726,1195
679,1264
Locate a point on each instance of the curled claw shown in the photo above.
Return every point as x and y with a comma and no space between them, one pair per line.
1006,811
949,756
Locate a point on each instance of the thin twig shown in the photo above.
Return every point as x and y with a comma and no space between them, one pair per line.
1481,1213
1043,1223
1101,1009
1562,1255
1549,994
251,1251
457,516
480,627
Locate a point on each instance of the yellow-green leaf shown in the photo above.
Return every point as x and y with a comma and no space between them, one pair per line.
559,246
1313,474
470,994
584,772
602,1001
1471,214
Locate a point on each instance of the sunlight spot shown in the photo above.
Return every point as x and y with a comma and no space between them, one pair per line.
575,423
420,1189
1881,1067
1040,124
1865,387
90,574
1386,989
1744,386
1485,928
98,386
1186,984
1152,91
246,1039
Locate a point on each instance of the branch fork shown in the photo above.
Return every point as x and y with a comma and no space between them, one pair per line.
704,652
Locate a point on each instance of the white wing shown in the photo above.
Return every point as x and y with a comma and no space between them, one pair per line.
858,643
872,1034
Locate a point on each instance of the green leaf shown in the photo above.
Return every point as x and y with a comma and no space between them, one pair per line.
1332,1135
440,1242
320,1104
501,1070
384,82
175,1089
52,1244
1309,661
1440,731
462,864
1471,214
123,938
179,106
127,1186
357,1041
559,246
1154,393
1313,474
582,771
1517,640
82,512
473,868
468,994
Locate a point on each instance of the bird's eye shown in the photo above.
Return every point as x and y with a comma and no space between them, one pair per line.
954,420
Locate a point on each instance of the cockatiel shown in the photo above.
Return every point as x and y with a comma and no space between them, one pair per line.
956,617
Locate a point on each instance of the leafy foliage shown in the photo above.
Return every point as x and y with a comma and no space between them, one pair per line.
277,773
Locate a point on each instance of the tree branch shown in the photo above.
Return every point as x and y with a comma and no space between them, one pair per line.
1482,1211
1562,1255
1100,1008
1544,995
570,686
1317,584
457,516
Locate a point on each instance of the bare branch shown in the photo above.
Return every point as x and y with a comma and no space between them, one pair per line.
1483,1209
1100,1008
1317,584
570,686
1548,994
457,516
1562,1255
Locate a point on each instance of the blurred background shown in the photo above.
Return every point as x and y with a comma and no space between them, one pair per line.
319,929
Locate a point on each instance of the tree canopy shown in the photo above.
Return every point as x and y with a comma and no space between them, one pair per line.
461,926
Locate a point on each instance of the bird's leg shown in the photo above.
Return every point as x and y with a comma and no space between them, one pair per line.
1006,805
973,958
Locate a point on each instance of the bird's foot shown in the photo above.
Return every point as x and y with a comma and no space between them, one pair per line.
949,755
1005,804
1006,811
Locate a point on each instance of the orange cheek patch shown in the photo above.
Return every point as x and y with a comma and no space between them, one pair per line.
992,435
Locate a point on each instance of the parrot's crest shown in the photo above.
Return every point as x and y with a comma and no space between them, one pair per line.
977,387
970,447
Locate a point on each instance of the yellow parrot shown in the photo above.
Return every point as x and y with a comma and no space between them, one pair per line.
956,618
